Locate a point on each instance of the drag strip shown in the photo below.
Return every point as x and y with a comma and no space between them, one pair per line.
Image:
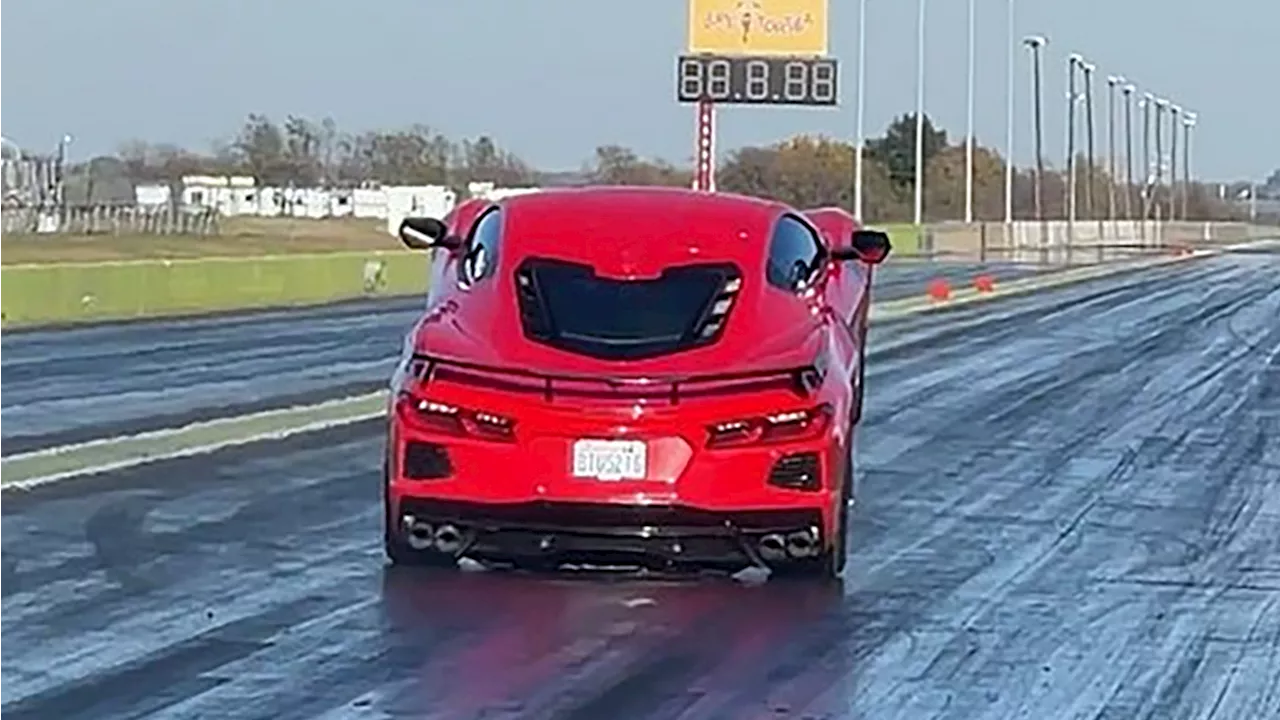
1071,512
73,385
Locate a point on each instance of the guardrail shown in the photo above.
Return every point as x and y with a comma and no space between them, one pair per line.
1082,240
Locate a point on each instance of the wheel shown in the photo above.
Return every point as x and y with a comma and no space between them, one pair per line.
395,548
856,414
829,566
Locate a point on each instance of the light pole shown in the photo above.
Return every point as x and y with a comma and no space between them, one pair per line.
1008,130
1090,196
968,140
1113,81
862,84
17,149
919,199
1174,122
1147,175
1034,43
1129,90
1188,122
1157,121
60,178
1073,97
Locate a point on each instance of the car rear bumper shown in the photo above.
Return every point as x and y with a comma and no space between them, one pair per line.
605,533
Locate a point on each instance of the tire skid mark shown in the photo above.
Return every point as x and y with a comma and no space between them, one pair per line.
1067,515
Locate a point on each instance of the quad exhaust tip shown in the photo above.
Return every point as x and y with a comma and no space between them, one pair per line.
420,535
773,547
796,545
447,538
802,544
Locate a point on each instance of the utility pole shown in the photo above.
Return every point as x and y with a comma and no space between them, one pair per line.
1189,122
1112,82
1174,121
1034,43
1129,90
1008,131
1070,190
1090,197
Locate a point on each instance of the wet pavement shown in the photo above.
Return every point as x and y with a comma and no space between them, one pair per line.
72,385
1071,509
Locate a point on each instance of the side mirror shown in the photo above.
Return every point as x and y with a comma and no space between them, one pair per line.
869,246
425,233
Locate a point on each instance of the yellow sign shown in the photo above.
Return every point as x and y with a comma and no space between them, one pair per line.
758,27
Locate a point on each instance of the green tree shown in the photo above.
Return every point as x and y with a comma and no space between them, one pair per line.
618,165
897,149
808,172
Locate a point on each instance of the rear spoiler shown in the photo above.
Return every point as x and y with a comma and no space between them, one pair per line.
426,369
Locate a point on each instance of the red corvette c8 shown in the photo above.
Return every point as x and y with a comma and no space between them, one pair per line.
639,376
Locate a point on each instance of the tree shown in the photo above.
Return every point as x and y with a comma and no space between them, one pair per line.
618,165
804,171
260,146
809,172
482,160
897,149
944,184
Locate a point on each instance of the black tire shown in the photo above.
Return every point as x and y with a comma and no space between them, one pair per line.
829,566
856,414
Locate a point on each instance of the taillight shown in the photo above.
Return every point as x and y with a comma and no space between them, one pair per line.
454,420
778,427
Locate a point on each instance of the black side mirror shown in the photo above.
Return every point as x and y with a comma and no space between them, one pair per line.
869,246
425,233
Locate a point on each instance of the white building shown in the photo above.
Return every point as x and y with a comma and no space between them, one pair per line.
423,200
152,195
490,191
228,194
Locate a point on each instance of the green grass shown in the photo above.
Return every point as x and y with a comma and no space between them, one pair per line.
253,263
63,293
240,237
904,237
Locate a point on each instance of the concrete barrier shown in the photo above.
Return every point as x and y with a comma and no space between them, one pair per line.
1086,238
78,292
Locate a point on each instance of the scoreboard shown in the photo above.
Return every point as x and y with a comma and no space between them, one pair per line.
756,80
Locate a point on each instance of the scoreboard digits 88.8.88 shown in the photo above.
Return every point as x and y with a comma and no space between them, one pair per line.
743,80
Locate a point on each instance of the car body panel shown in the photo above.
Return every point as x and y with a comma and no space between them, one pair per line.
470,354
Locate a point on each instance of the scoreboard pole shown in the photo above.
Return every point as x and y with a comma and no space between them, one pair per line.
705,174
751,52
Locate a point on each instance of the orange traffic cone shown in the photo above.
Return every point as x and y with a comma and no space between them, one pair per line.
939,289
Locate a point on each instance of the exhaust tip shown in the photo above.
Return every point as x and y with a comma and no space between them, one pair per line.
773,547
419,535
802,544
449,539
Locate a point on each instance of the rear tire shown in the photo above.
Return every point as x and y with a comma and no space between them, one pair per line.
830,565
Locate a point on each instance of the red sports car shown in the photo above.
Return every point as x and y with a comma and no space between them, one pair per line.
647,377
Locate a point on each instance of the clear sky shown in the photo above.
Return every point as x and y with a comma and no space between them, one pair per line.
551,79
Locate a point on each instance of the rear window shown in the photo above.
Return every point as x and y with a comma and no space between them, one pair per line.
566,305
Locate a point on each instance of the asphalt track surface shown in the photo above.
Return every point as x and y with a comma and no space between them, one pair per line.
69,386
1071,510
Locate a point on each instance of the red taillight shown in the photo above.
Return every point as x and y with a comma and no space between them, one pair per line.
778,427
454,420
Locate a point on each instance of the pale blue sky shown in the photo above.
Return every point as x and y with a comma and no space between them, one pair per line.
551,79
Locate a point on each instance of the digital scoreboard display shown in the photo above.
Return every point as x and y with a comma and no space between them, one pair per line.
746,80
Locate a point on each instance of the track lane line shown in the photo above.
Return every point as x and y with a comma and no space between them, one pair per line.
25,471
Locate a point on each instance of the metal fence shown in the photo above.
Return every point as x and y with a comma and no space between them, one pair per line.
1059,241
110,219
31,181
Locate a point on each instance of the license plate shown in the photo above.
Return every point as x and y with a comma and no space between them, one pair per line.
610,460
